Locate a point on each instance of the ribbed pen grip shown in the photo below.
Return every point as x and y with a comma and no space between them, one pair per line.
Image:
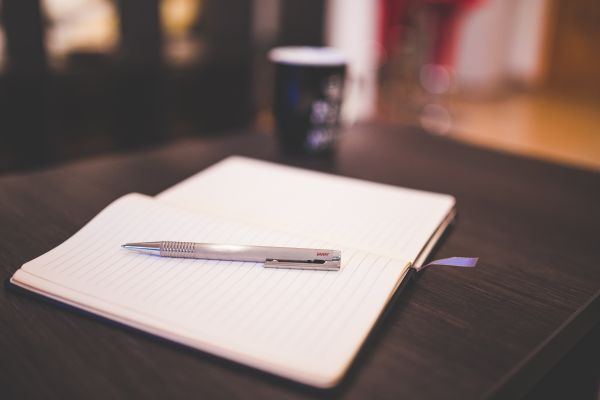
177,249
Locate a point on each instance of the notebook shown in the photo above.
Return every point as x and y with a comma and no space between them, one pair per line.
302,325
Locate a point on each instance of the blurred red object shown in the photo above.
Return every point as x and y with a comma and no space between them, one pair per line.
445,17
391,16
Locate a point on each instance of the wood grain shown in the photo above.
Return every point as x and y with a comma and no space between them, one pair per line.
492,331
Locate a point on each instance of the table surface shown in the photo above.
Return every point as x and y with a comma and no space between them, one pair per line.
491,331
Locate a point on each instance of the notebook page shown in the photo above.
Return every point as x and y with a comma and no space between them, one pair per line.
376,218
303,325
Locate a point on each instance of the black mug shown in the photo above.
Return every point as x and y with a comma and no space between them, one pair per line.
309,84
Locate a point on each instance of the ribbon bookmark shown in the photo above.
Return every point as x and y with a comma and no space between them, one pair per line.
466,262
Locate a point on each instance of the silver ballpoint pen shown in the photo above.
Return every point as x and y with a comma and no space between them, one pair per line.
272,257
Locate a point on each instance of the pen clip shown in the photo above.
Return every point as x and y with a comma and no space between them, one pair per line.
316,265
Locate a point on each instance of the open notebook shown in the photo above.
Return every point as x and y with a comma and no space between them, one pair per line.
299,324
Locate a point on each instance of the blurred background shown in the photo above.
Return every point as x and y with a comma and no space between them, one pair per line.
83,77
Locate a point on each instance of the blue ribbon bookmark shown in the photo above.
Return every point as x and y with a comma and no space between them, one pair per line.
466,262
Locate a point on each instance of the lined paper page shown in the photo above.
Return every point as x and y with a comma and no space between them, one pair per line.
377,218
303,325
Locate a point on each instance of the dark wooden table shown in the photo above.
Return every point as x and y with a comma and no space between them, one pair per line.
490,331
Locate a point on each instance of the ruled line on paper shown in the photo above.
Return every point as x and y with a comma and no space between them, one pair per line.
97,273
290,312
290,332
170,287
93,251
324,318
74,250
351,310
